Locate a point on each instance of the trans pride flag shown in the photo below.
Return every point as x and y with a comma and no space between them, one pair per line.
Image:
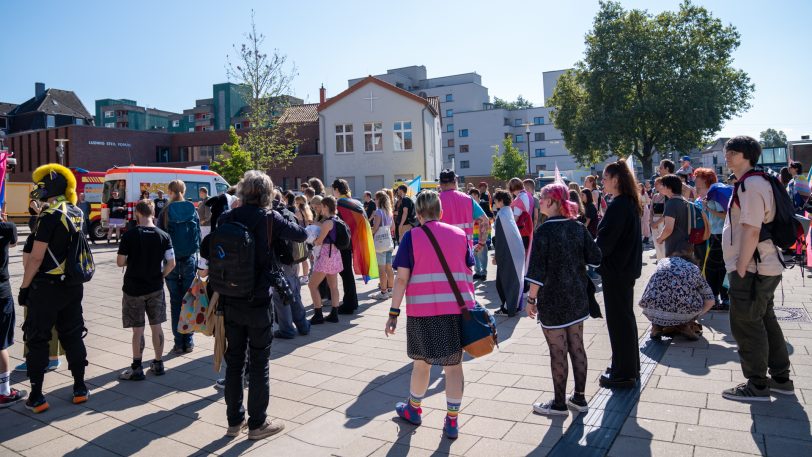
351,211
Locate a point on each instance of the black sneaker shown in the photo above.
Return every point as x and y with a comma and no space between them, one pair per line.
37,405
784,388
747,391
333,316
317,319
157,367
578,403
132,374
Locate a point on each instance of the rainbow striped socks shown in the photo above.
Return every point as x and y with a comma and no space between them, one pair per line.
415,400
453,407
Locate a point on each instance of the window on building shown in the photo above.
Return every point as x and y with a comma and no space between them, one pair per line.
463,132
463,148
539,136
465,163
541,168
451,157
449,97
176,123
109,114
373,136
344,138
538,120
508,135
110,125
517,122
451,143
541,152
50,121
449,113
507,121
402,134
191,118
191,129
79,121
449,128
519,138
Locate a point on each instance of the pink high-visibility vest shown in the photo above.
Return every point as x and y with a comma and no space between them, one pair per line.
458,210
428,292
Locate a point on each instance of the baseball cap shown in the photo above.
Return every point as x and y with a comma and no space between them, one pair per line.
447,176
686,158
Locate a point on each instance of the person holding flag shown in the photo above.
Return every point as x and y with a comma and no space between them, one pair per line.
361,253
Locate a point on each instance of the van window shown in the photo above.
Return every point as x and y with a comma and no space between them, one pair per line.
118,184
193,190
221,188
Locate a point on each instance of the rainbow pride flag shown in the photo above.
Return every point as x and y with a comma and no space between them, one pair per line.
351,211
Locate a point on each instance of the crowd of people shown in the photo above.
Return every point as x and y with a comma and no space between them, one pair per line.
550,247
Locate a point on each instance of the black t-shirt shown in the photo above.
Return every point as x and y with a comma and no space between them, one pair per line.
116,206
52,228
369,208
406,207
145,248
160,204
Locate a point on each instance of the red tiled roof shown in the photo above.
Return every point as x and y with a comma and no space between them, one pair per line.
296,114
385,85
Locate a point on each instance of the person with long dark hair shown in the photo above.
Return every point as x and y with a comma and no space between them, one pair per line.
619,239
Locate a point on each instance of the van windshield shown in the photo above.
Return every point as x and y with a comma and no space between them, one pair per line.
119,185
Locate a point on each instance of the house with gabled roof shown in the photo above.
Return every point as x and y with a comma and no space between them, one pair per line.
48,108
375,133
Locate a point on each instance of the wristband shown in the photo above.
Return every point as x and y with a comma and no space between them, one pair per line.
531,300
394,312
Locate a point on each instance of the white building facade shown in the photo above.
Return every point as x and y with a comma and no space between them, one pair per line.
375,133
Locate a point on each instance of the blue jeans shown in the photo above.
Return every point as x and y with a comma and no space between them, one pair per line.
481,261
291,318
178,282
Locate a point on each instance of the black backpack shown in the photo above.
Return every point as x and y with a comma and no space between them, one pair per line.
79,263
231,259
342,238
785,230
290,252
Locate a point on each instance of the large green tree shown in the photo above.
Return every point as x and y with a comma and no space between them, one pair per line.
510,163
772,138
234,161
649,83
265,81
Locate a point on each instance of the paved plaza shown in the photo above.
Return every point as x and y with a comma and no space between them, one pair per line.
336,389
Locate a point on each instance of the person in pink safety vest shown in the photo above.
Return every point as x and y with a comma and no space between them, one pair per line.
461,211
433,315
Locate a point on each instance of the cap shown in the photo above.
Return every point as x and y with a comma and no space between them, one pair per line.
686,158
447,176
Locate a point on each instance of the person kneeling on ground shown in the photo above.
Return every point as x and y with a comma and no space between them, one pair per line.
148,255
675,296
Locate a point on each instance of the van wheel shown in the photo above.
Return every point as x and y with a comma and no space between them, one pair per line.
97,232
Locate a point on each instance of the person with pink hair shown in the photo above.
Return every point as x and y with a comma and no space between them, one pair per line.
562,248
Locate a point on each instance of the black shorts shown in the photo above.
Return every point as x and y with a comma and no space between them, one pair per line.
7,322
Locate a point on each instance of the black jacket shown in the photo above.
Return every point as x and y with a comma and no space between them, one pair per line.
257,312
620,240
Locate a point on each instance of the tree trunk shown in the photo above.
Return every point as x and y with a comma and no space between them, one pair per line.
648,169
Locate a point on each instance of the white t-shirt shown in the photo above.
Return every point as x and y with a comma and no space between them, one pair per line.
757,207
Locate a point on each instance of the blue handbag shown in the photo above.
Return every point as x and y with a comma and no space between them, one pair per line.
477,327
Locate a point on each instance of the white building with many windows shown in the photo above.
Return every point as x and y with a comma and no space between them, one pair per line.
375,133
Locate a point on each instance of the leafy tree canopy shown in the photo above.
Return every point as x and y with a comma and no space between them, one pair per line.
509,164
234,161
520,103
649,82
772,138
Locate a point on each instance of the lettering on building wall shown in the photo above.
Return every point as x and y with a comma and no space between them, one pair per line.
109,143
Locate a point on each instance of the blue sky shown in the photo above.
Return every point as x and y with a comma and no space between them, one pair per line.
167,54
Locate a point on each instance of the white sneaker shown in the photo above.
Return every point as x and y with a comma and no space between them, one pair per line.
381,295
547,409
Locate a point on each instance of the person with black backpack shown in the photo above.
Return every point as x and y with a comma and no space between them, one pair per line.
757,224
180,220
242,269
52,286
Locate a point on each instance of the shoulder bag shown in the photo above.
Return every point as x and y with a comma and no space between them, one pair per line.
477,326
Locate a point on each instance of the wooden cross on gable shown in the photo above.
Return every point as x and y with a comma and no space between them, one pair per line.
371,100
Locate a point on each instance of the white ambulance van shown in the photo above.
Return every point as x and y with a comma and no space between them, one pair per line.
132,181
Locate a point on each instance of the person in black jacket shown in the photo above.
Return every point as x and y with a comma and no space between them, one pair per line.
619,235
248,321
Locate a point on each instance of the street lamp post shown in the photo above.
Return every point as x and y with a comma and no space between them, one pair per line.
60,149
527,134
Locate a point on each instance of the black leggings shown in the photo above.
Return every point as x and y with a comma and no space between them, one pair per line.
562,341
